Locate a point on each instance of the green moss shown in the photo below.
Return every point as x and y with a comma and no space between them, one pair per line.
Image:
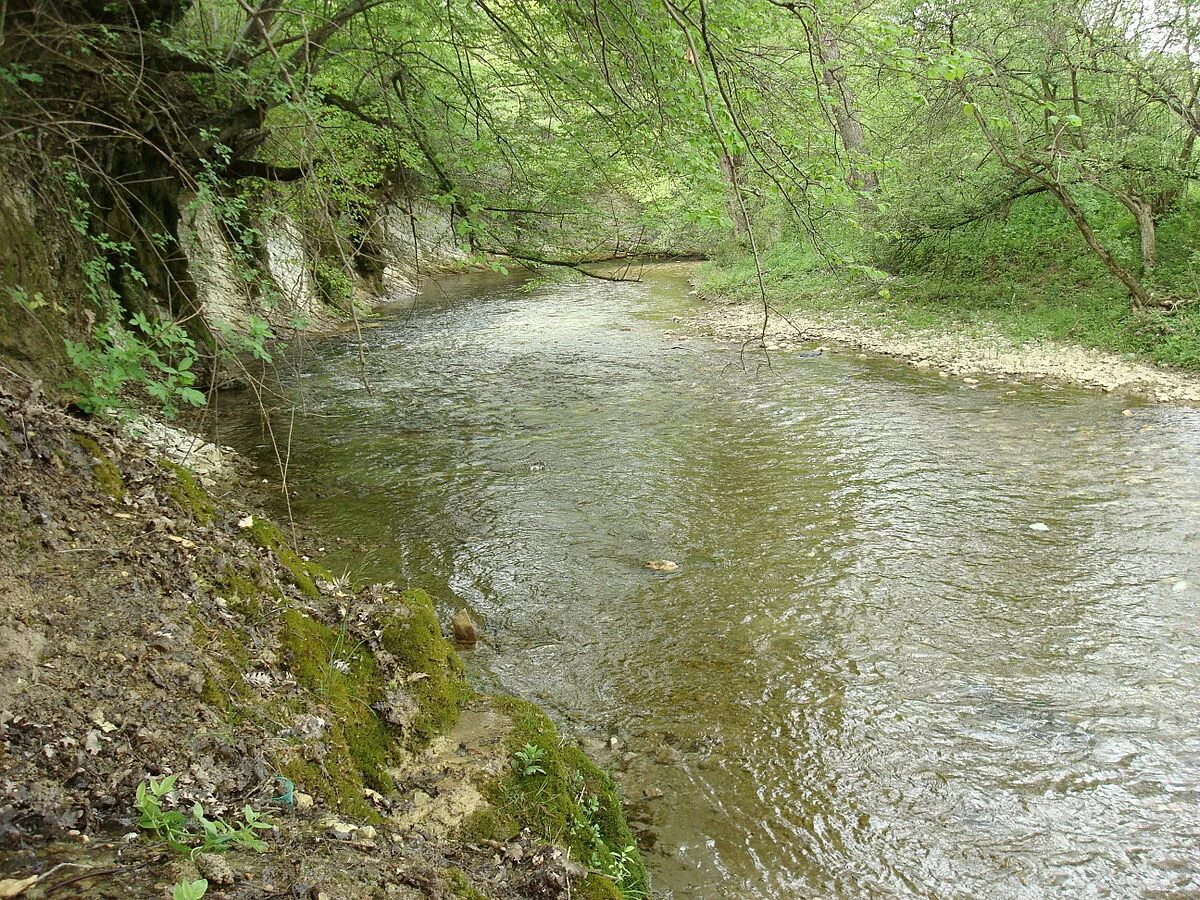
245,594
414,637
304,573
596,887
188,494
575,803
345,680
489,824
107,475
460,886
213,695
227,661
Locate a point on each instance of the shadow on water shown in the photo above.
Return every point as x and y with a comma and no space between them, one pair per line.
924,639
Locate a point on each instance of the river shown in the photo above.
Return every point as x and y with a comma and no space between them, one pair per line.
925,639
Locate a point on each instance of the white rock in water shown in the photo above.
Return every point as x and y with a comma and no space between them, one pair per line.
661,565
1039,526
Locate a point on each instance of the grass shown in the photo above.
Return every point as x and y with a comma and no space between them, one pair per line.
1027,279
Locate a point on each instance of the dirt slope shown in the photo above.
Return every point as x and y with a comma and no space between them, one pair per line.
150,628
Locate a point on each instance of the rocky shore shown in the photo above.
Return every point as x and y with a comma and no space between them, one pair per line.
967,357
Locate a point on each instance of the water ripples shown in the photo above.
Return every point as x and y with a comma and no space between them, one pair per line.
925,640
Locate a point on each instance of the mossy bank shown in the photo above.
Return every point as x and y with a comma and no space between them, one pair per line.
152,625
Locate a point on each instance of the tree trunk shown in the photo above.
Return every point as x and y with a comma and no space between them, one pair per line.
1141,297
845,113
1143,214
731,174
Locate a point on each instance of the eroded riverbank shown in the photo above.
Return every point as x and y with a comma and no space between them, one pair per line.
156,629
961,354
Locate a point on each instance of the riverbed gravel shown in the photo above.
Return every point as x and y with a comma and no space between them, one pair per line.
950,354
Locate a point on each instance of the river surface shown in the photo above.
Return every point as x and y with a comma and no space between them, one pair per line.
924,640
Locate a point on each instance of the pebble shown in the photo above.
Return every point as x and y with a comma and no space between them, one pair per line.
667,756
464,629
341,831
366,833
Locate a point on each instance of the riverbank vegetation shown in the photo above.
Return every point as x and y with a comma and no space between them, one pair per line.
1029,164
186,184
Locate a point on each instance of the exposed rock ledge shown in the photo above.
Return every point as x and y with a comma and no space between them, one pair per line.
956,354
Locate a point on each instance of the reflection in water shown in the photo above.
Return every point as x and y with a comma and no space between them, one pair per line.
870,676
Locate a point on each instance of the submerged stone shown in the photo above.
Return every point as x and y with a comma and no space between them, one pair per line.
464,629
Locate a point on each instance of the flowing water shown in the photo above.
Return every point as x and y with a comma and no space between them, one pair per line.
924,640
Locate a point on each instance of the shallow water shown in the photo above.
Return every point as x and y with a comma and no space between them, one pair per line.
870,676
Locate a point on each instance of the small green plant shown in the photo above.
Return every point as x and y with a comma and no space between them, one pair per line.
584,821
528,760
190,890
124,350
197,833
622,865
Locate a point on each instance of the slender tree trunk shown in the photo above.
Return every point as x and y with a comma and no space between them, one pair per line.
1141,297
731,174
845,112
1143,214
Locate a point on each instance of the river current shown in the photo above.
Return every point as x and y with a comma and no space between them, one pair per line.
925,639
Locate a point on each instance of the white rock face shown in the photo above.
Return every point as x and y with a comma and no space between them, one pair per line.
287,263
182,447
414,236
220,292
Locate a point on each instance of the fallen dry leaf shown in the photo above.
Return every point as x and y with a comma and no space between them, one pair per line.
15,887
98,717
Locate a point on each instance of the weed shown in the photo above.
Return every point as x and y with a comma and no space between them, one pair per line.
527,761
197,834
189,890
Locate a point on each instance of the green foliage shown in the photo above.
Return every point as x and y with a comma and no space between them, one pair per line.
150,355
571,802
195,833
189,890
527,760
334,283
